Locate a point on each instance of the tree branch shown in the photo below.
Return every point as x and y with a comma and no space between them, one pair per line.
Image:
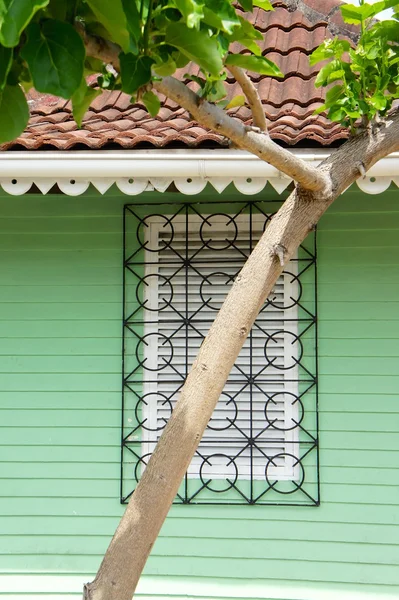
128,551
214,118
211,116
98,47
125,558
251,95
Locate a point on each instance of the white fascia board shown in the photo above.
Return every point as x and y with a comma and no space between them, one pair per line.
142,163
135,171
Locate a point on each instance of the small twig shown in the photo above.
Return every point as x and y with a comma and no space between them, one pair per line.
279,250
361,169
251,95
99,48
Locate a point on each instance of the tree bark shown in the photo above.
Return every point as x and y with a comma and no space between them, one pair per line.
251,94
130,547
126,556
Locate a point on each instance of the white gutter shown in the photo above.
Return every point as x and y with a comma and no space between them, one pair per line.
139,163
18,170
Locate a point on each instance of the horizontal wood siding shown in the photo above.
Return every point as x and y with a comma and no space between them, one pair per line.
60,379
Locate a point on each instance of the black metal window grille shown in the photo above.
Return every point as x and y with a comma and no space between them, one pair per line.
261,445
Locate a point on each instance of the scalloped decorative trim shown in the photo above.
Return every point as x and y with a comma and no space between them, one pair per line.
189,186
135,172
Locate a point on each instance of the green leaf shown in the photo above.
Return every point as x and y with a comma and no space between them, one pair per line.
135,71
14,113
214,91
110,13
199,80
198,46
180,59
323,52
235,102
5,65
336,113
221,15
320,109
334,94
247,5
390,29
192,12
81,101
132,19
55,55
264,4
14,17
93,65
58,9
246,35
258,64
151,102
329,49
379,101
356,14
323,77
164,66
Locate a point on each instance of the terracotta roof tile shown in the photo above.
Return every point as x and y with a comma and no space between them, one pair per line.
291,33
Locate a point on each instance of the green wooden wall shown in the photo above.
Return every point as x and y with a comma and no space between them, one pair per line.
60,327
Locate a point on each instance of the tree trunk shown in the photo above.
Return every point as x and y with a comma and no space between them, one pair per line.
129,549
125,559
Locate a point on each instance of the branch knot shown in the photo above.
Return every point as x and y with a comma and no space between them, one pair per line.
280,251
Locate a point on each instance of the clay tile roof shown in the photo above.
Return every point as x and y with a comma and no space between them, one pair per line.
291,33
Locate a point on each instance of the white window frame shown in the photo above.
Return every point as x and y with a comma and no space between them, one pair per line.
290,470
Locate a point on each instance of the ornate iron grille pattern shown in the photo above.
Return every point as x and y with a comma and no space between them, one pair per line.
261,445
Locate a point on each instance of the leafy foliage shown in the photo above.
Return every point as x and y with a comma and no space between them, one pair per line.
365,77
55,54
40,46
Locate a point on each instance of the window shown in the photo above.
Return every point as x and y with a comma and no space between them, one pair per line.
179,264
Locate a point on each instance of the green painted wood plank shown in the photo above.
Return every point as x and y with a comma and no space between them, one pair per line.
55,435
79,274
73,329
62,347
387,256
348,329
73,258
60,418
61,364
233,530
70,488
360,221
92,400
359,403
100,507
62,260
28,470
61,293
333,240
274,569
206,548
367,311
355,201
32,241
61,311
72,454
61,382
364,459
360,348
372,384
62,224
357,274
348,365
